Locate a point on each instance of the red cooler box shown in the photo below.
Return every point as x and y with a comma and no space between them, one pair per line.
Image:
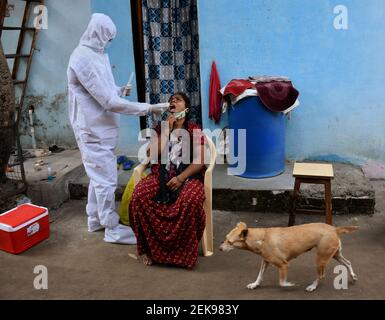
23,227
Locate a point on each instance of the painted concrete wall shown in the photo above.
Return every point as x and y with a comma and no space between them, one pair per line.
340,73
47,89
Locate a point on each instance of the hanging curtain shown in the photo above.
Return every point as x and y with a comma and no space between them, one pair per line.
171,53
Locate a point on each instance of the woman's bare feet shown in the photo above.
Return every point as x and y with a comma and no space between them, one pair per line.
147,261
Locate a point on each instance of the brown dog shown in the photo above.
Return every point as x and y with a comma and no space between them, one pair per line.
280,245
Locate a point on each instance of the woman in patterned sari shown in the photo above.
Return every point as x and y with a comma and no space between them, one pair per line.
166,210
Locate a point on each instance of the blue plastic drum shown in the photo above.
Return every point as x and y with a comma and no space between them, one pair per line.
265,138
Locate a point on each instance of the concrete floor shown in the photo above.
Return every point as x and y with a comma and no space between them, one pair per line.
81,266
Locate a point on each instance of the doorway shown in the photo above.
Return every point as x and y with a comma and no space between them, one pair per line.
166,48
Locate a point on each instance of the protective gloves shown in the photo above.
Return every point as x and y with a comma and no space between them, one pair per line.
127,90
159,108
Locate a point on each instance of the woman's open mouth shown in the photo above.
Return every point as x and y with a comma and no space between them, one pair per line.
172,108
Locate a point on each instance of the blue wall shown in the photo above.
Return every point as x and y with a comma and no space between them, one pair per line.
340,73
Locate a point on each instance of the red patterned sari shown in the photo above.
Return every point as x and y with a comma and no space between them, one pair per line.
169,233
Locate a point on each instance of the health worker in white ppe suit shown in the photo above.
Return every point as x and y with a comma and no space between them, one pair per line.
94,106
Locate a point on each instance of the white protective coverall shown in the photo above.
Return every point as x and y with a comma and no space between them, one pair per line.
94,107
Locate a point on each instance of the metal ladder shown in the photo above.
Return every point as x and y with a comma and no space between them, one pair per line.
20,80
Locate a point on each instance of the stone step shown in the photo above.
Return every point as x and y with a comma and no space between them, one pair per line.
352,191
66,166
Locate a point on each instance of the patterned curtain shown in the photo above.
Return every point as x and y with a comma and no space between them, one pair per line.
171,52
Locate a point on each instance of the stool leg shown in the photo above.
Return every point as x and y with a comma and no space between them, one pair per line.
328,202
294,202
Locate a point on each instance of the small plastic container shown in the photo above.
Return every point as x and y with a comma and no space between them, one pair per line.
50,177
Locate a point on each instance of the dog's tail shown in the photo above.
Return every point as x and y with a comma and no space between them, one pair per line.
342,230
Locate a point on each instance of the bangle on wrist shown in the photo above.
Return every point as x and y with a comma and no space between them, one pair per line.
177,178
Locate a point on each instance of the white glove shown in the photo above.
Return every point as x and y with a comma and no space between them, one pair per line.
127,90
159,108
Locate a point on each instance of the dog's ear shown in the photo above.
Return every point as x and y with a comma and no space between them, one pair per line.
242,225
244,233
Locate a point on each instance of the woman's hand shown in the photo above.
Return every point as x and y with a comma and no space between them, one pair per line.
175,183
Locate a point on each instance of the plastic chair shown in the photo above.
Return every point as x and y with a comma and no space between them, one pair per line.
207,239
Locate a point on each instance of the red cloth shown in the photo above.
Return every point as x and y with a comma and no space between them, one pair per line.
171,233
215,96
237,86
277,95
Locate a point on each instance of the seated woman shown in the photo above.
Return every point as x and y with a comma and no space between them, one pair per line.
166,209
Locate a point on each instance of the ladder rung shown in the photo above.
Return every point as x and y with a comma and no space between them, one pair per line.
18,28
13,56
18,81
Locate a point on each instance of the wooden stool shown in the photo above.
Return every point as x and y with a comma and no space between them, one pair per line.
313,173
